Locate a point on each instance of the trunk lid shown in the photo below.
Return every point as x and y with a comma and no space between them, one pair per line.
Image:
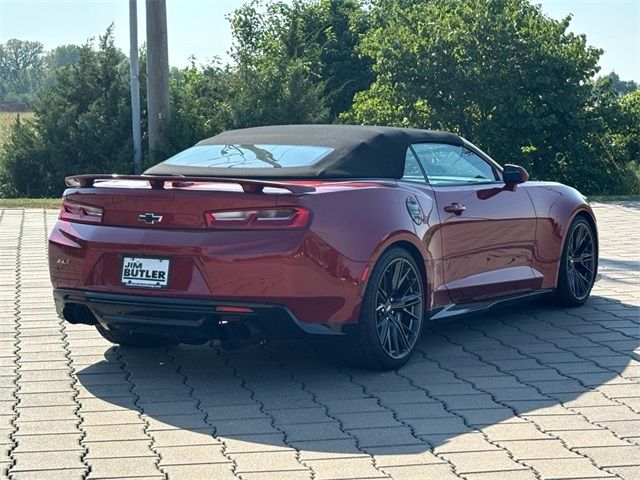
169,202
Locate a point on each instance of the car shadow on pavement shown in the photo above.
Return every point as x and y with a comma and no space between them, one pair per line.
531,372
617,265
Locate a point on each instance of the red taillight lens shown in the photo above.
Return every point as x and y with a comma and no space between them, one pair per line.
268,218
233,309
80,212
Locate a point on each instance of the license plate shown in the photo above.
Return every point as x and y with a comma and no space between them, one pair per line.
145,272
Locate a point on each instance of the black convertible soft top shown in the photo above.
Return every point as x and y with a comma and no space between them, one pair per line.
357,151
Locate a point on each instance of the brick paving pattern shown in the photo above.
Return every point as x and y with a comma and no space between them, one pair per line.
532,392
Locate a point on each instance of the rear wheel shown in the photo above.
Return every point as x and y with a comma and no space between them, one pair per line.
392,313
578,265
127,338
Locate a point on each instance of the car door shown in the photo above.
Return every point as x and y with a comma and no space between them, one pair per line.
487,229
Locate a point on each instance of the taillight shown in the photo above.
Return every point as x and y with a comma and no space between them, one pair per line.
269,218
233,309
80,212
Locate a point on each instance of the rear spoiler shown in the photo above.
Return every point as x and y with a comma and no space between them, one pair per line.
157,182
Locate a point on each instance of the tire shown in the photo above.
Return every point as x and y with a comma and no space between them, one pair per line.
126,338
578,265
373,343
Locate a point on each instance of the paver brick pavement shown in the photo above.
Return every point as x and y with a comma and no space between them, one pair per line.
530,393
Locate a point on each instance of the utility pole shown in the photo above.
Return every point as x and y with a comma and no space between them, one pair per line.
158,106
135,84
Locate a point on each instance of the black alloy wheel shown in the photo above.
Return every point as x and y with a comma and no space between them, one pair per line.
578,265
392,313
399,308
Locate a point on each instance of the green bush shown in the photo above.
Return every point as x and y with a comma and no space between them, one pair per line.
82,125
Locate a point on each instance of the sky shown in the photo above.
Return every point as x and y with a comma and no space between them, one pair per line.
200,28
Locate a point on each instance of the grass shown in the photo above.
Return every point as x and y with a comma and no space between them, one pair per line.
612,198
30,203
6,120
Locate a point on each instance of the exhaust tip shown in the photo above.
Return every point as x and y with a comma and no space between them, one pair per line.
80,314
67,312
238,334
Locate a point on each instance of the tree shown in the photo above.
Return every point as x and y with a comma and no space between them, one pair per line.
276,92
612,137
82,125
21,70
615,138
332,32
617,84
61,56
199,105
25,168
630,130
313,42
499,72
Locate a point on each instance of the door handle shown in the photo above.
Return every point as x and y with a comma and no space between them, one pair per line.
455,208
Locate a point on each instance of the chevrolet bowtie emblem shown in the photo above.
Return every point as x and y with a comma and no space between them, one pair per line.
149,218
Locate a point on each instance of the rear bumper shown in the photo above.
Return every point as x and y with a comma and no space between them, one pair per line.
296,270
187,320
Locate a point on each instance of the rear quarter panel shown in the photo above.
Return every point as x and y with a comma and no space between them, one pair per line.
556,206
364,221
357,221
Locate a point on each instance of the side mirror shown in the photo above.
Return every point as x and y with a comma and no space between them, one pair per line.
514,174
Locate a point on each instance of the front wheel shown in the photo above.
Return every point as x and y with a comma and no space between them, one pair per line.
392,312
578,264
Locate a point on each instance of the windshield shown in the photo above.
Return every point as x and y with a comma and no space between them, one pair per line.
249,156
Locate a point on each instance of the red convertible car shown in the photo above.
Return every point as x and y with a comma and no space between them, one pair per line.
359,232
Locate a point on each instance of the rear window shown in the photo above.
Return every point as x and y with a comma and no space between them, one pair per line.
249,156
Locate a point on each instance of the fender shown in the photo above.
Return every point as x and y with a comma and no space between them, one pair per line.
556,206
424,259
